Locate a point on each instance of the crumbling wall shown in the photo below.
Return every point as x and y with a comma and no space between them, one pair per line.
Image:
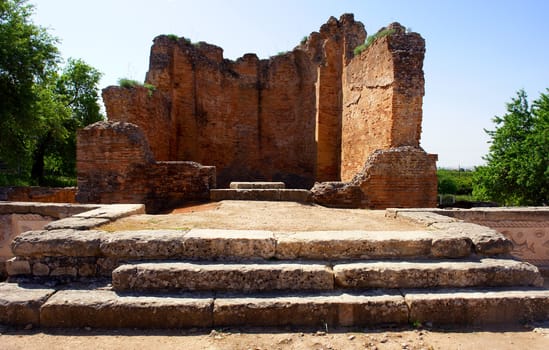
314,114
382,98
115,165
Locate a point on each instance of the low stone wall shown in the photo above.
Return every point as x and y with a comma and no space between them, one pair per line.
527,228
19,217
38,194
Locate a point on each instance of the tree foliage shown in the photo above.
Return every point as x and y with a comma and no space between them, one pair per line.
42,105
517,169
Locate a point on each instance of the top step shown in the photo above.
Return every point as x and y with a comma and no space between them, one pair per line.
257,185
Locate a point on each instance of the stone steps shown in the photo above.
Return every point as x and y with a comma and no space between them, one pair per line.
104,308
302,275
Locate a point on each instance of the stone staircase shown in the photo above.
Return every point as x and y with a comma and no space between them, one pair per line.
448,273
260,191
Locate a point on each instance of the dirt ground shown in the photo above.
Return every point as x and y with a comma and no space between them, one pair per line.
531,338
271,216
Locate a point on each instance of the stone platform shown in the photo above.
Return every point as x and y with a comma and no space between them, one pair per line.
441,270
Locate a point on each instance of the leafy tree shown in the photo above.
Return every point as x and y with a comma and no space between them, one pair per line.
28,58
43,107
517,169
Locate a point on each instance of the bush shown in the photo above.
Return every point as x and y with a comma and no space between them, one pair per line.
370,39
128,83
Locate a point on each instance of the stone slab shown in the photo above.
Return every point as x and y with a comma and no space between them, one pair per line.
76,223
113,211
436,273
229,244
64,242
108,309
146,244
474,307
333,245
20,304
257,185
185,276
288,195
310,310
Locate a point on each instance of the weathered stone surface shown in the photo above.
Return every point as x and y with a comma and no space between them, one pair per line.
223,277
113,212
107,309
288,195
76,223
333,245
229,244
17,266
315,310
38,194
58,243
20,304
257,185
485,240
146,244
436,273
478,306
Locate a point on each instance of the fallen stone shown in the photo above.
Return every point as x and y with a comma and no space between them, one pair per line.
318,310
475,307
146,244
65,242
229,244
107,309
20,304
436,273
222,277
486,241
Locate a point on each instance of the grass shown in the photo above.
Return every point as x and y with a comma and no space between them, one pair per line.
129,84
371,39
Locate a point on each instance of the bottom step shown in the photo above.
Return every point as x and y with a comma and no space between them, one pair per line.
103,308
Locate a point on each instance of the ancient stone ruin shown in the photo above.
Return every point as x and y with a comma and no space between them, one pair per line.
348,126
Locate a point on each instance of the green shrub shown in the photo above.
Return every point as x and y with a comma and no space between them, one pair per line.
303,41
173,37
370,39
128,83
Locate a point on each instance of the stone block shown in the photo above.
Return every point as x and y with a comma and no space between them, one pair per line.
307,310
107,309
229,244
113,211
76,223
20,304
146,244
17,266
476,307
64,242
333,245
256,185
223,277
436,273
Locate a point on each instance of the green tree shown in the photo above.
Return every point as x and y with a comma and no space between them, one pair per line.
43,108
517,169
28,58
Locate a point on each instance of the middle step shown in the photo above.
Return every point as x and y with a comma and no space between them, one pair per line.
305,275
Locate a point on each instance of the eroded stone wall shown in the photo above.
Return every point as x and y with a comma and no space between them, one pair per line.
317,113
115,165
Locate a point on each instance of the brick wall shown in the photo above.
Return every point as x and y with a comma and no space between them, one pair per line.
115,165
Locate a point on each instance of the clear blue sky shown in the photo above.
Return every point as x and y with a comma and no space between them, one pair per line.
479,52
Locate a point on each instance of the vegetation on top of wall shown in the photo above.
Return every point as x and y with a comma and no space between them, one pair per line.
130,83
173,37
370,39
303,40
